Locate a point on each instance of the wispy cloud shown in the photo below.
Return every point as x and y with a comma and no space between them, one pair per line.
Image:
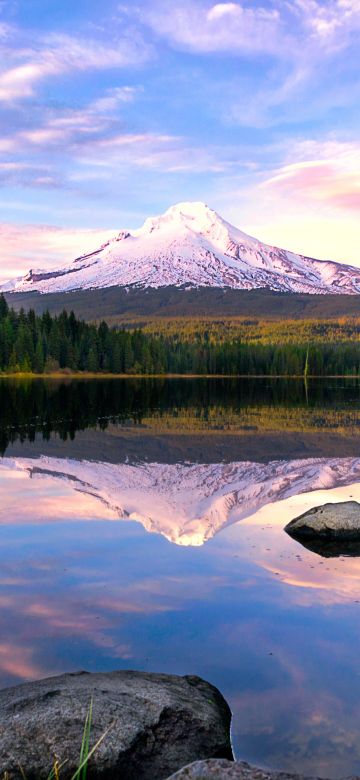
149,103
332,24
166,153
55,136
19,82
114,98
58,54
291,43
69,145
231,27
241,28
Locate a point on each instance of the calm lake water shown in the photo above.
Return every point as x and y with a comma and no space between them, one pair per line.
141,526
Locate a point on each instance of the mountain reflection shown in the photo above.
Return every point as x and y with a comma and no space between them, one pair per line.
271,616
189,503
84,586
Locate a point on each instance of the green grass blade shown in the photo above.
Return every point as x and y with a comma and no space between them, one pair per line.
76,776
87,740
85,753
85,745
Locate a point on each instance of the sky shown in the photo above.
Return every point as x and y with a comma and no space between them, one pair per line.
111,112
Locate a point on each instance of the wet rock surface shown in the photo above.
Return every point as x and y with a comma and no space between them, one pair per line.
154,724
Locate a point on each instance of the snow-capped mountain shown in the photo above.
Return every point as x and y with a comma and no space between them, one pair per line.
191,245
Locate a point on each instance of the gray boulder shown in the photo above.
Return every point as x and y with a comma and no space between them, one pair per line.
330,521
228,770
156,723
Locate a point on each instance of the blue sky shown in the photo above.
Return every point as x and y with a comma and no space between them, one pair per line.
112,112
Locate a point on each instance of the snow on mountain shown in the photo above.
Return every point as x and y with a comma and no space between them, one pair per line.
192,245
190,503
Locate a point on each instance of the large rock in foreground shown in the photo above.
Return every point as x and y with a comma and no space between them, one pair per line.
330,521
228,770
156,722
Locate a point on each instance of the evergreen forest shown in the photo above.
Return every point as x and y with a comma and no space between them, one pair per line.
45,344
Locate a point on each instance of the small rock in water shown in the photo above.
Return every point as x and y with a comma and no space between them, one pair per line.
330,529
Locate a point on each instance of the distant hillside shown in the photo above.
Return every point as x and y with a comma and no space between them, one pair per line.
119,305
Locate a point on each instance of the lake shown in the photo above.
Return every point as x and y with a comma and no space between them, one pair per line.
141,526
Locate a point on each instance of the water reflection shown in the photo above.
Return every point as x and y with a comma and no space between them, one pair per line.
248,610
183,419
330,548
82,585
313,580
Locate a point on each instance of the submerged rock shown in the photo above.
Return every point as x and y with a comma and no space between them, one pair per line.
154,724
229,770
340,522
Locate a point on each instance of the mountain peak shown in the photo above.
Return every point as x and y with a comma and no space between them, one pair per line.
191,215
192,245
191,208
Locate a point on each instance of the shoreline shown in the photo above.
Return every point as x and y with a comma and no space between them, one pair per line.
103,375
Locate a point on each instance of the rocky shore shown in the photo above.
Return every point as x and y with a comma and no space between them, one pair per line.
156,727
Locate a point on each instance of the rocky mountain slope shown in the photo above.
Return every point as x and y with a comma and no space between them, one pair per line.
192,246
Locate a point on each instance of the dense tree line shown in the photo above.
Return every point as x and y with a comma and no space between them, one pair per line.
254,329
45,344
31,343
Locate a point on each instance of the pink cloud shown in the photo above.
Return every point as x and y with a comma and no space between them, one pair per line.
309,204
26,246
348,200
333,182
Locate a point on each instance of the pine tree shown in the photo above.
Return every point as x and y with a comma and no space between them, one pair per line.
4,309
92,361
39,360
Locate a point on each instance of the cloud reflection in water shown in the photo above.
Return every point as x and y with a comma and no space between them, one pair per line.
277,622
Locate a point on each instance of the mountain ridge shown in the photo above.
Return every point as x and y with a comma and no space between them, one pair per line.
191,246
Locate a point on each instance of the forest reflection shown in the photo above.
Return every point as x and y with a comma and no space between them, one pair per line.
64,407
